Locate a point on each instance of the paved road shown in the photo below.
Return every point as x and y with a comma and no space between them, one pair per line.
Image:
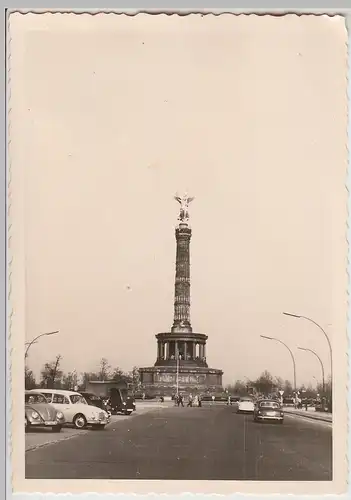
42,436
211,443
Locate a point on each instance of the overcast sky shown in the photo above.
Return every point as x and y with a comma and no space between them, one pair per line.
120,115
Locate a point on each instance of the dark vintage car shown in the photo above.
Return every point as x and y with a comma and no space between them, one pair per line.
39,413
121,402
268,409
93,400
96,401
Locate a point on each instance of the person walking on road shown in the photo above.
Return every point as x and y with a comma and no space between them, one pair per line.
190,400
200,401
180,400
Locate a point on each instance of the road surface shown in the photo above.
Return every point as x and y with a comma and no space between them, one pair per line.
210,443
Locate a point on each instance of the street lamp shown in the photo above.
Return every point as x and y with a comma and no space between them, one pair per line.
299,316
34,341
310,350
291,354
179,357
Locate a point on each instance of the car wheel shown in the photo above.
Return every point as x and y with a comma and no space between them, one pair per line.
79,421
128,412
56,428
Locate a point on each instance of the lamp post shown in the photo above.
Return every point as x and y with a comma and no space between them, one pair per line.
34,341
299,316
179,357
319,359
291,354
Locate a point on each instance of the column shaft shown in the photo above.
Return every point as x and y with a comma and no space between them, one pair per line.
182,280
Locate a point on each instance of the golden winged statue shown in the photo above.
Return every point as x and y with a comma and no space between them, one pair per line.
184,206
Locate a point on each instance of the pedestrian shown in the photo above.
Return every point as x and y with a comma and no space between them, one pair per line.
213,399
190,400
196,400
229,402
181,402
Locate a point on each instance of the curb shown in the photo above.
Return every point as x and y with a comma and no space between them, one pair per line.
309,416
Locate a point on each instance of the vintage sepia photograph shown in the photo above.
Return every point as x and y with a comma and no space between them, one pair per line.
178,219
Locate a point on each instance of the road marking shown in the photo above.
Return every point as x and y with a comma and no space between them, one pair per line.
47,443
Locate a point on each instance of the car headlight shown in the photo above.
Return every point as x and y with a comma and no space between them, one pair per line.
59,415
35,414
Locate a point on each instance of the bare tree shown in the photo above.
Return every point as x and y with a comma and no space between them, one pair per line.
279,383
134,376
119,375
69,381
104,370
265,383
51,373
239,388
29,379
288,388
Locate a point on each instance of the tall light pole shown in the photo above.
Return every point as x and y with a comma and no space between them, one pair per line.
34,341
299,316
290,351
310,350
178,361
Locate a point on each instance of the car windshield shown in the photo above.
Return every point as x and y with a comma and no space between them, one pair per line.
77,399
245,400
35,398
269,404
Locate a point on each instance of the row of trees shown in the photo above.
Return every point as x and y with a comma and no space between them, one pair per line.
266,383
53,377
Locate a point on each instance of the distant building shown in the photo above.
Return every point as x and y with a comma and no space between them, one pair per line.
102,388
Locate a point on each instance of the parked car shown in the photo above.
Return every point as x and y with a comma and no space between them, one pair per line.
245,405
267,409
39,413
75,409
121,402
96,401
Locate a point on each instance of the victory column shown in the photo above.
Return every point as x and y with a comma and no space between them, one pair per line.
181,363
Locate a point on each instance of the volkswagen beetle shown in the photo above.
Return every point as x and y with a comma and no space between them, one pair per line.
39,413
